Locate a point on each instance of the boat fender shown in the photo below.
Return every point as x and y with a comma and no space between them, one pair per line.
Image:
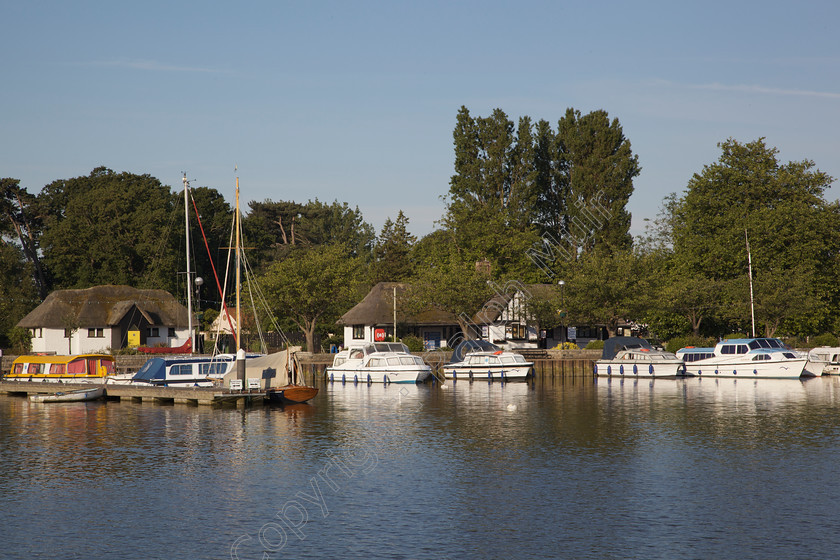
734,372
755,372
471,375
332,378
369,380
609,370
635,369
355,379
385,379
650,369
343,378
596,369
489,375
502,375
621,369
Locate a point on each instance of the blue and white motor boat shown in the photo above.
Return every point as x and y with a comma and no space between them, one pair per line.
480,359
746,357
378,362
182,371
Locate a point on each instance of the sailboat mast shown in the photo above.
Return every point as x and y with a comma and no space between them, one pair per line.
187,237
749,269
238,278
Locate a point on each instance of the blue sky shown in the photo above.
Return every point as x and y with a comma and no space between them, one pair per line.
356,101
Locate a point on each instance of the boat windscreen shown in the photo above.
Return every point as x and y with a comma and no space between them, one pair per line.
467,346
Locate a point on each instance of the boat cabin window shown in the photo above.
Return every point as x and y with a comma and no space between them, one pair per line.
393,361
77,367
215,368
790,355
407,361
18,368
734,349
59,369
181,369
339,360
35,369
356,354
761,357
507,359
376,362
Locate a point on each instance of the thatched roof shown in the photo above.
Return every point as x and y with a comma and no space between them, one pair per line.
105,306
377,308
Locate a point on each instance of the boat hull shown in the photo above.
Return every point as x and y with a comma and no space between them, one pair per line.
291,394
787,369
372,375
70,396
488,373
608,368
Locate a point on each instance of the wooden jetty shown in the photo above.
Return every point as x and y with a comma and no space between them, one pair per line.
134,393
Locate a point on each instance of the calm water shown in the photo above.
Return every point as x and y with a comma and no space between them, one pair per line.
553,469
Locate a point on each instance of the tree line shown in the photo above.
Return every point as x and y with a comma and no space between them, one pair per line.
532,202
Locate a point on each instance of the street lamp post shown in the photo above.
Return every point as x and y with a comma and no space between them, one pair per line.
562,284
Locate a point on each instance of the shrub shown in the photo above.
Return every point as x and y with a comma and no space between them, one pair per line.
566,346
690,340
414,343
595,345
825,339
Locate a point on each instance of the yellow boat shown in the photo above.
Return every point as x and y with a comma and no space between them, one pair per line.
82,368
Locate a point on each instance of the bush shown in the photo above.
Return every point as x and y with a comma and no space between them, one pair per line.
690,340
595,345
414,343
825,339
734,335
566,346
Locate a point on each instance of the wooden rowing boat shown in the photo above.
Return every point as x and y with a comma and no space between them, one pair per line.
70,396
291,394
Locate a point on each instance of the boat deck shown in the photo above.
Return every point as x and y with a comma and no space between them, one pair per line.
177,395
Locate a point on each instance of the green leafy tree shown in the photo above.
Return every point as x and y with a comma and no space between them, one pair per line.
793,233
109,228
278,227
17,219
19,294
392,252
607,288
597,161
312,287
451,286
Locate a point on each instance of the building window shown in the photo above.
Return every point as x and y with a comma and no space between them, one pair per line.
152,332
68,333
96,333
171,332
36,332
358,332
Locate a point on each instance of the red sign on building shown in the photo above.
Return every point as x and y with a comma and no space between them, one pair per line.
379,335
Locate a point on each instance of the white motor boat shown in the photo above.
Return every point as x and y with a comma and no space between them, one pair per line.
630,356
480,359
378,362
746,357
823,361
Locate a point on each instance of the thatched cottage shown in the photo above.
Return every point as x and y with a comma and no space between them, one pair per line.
102,317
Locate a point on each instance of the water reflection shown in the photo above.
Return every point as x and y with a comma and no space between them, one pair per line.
738,468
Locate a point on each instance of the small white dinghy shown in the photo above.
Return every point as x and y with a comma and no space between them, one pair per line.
70,396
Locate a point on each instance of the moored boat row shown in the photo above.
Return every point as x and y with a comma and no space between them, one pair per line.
758,358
